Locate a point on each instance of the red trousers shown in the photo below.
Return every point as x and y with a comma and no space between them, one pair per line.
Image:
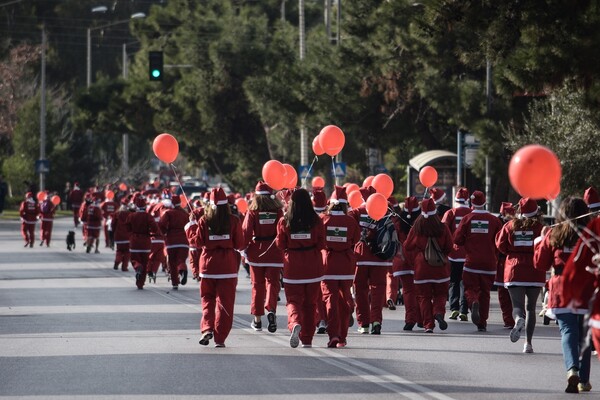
432,299
338,299
392,286
194,261
46,231
477,289
28,232
370,282
157,257
265,289
412,313
505,306
302,308
218,299
122,255
176,258
106,234
76,216
139,261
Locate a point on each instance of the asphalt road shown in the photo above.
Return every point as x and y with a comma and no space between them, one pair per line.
73,328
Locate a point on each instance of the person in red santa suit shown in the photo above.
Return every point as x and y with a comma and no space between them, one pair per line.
94,224
592,199
83,215
339,261
158,254
47,211
190,231
28,211
451,218
172,223
141,226
477,233
551,252
264,258
431,282
76,200
301,237
439,198
393,282
108,207
121,236
319,200
219,235
521,278
507,213
371,272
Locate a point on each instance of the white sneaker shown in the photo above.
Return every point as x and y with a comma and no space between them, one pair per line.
295,336
527,348
363,330
515,333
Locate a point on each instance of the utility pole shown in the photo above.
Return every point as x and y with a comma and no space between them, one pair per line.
488,92
303,139
43,110
125,135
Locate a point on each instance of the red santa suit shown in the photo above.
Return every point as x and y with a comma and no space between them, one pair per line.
262,255
431,283
76,200
302,275
158,252
94,221
218,271
507,212
477,233
108,208
28,211
339,261
47,210
140,226
121,237
393,282
172,223
190,231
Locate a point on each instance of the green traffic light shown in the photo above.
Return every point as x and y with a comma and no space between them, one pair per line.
155,73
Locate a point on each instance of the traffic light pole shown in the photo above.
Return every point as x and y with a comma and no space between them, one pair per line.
125,135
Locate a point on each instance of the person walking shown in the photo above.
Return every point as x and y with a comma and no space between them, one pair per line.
523,281
301,237
47,210
507,213
108,207
218,235
94,224
551,252
76,200
29,211
121,236
172,225
262,255
141,226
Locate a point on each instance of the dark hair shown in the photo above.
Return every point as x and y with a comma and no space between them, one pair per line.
337,207
526,222
218,219
300,215
264,202
430,227
563,234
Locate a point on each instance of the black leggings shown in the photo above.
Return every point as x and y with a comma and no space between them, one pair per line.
517,296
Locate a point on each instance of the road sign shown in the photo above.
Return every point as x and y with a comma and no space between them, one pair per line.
42,166
380,169
470,155
304,172
340,170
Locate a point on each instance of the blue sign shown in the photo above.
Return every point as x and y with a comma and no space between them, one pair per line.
340,170
380,169
304,172
42,166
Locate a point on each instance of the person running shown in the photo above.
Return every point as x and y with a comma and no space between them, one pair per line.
93,224
121,236
108,207
47,211
141,226
301,237
172,223
28,211
507,213
521,278
218,235
339,261
552,251
264,258
431,282
477,233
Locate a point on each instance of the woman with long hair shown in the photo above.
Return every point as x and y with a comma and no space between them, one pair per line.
301,237
431,282
218,235
264,258
552,252
523,281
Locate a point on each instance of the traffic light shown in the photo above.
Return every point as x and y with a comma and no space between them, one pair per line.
155,65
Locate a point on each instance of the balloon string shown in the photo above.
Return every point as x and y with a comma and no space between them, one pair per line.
308,172
574,226
188,205
333,170
573,219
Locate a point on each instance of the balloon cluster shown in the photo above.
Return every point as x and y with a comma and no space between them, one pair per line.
330,140
279,176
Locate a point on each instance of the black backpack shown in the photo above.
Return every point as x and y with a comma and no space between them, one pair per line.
385,242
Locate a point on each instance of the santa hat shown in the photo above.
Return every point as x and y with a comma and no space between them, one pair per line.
507,208
411,205
392,201
263,189
338,196
166,194
175,200
528,207
428,208
197,204
478,199
76,185
319,199
367,191
591,198
462,196
140,203
206,197
29,195
217,197
438,195
231,199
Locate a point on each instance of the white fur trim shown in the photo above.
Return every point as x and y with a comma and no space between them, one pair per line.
440,199
263,192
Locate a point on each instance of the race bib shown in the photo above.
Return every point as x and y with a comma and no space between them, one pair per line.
366,222
219,237
266,218
478,226
337,234
568,250
300,236
457,220
523,238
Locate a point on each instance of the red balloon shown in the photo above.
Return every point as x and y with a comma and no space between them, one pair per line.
291,176
184,201
428,176
273,173
332,139
41,196
355,199
122,187
166,148
368,181
242,205
55,200
110,194
377,206
316,146
318,182
534,171
383,184
351,188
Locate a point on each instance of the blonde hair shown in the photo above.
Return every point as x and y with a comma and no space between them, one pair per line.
264,202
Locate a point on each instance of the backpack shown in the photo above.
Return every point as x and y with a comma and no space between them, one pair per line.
385,242
46,207
433,253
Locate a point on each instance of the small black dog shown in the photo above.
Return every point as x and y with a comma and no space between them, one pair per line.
70,240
